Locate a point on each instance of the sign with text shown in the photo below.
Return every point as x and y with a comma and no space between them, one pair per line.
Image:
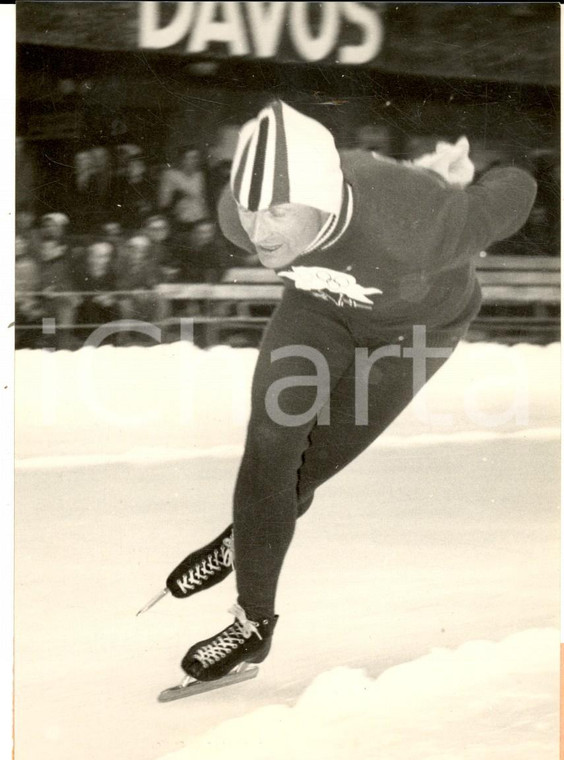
344,32
509,42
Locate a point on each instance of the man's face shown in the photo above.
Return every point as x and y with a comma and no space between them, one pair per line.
112,230
99,257
82,161
281,233
157,231
51,230
190,161
202,234
137,251
24,221
135,168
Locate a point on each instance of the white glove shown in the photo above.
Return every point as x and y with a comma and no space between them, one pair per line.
451,161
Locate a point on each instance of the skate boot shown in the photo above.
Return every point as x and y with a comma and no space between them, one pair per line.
200,570
203,568
244,641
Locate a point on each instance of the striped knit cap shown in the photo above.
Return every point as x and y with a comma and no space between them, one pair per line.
283,156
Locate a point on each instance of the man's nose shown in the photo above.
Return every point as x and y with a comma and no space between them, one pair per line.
259,229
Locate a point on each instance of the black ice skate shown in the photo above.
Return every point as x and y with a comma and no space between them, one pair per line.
200,570
224,659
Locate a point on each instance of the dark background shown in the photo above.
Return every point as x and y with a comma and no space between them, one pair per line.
490,71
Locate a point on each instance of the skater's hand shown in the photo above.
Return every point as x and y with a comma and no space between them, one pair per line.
451,161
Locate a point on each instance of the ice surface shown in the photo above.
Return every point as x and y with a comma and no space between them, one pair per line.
176,400
418,604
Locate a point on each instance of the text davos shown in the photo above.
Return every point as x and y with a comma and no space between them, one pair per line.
257,28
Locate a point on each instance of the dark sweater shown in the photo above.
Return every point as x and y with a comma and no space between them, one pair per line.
412,237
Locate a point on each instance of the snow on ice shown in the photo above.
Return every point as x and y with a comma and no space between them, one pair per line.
481,701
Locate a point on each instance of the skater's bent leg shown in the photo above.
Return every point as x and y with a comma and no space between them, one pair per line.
265,501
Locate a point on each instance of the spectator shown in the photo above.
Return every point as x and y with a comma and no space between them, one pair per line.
207,256
540,235
102,168
98,275
157,229
134,195
27,283
200,258
139,273
84,201
545,217
53,259
26,180
218,178
182,191
375,137
26,233
124,152
112,232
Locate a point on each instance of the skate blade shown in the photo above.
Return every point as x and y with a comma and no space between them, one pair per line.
194,687
153,601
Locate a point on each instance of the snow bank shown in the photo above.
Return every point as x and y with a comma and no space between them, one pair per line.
175,400
481,701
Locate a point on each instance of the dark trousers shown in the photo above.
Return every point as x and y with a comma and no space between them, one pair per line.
289,452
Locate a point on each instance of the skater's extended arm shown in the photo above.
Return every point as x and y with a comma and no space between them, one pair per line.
497,206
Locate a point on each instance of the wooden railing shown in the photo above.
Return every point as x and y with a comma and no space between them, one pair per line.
519,279
504,279
521,296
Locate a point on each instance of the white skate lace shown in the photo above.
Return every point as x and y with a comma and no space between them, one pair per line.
229,639
219,558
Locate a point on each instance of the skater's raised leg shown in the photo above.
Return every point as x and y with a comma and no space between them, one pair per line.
203,568
200,570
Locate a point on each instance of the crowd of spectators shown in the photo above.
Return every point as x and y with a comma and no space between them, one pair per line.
117,236
121,225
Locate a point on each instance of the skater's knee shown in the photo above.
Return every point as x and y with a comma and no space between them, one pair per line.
268,439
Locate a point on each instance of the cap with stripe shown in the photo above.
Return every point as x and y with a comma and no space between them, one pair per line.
283,156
